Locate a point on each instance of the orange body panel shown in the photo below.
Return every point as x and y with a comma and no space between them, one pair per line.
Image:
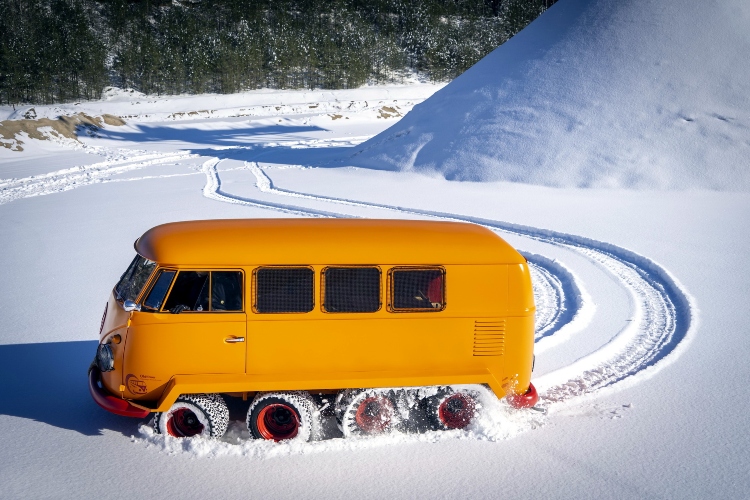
483,334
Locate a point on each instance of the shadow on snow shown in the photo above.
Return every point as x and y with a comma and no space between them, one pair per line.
284,147
48,383
225,136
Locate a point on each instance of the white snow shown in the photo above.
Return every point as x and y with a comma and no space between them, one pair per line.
641,329
640,94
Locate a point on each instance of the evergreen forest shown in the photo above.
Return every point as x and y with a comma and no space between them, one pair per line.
64,50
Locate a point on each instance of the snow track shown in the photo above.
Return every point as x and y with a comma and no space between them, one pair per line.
664,315
561,301
72,178
212,190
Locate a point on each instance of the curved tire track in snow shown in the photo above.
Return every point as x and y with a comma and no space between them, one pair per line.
75,177
213,190
664,317
565,303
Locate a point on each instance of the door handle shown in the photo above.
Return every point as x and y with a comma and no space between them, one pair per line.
234,340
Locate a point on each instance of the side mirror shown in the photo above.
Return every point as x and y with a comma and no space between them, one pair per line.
129,305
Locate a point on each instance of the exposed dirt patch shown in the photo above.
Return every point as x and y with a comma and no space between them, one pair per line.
113,120
388,112
44,128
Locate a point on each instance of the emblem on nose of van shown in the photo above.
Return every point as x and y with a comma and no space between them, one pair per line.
135,385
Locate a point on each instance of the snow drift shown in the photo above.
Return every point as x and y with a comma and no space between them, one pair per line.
644,94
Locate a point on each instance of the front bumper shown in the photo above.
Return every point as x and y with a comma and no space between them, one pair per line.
109,402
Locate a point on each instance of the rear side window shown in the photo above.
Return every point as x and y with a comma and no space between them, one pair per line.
351,289
284,290
420,289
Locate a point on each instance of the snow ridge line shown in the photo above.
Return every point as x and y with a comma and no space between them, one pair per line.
665,316
75,177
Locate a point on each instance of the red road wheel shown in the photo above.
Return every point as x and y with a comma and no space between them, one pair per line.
277,422
366,411
279,416
374,414
184,423
204,415
525,400
456,411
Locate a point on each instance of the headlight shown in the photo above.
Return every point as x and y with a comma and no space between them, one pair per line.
104,358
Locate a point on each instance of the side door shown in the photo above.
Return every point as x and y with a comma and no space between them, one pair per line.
191,322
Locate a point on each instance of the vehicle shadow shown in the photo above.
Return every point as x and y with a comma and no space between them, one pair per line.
48,383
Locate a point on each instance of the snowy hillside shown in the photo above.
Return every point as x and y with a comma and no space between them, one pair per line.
647,94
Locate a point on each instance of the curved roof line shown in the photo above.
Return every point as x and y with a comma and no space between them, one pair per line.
235,242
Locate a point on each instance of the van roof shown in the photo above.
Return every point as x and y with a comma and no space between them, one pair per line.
235,242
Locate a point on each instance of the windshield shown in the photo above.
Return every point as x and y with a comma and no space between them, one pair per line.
132,281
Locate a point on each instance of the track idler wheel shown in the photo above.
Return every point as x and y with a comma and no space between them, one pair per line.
525,400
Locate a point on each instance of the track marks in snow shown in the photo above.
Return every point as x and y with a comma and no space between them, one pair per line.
213,190
75,177
664,314
562,304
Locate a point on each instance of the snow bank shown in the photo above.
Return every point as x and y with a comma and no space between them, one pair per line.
643,94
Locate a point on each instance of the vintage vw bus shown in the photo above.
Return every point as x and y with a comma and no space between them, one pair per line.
283,311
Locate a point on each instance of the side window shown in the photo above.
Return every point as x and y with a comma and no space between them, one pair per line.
226,291
156,296
351,289
189,292
284,290
417,289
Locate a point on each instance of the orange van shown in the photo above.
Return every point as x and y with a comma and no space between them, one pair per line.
302,316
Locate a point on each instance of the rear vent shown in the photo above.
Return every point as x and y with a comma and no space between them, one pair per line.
489,337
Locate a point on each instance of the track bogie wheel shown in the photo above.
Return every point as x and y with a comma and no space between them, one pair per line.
281,416
449,409
191,415
367,412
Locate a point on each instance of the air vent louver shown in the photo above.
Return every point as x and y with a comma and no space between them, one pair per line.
489,337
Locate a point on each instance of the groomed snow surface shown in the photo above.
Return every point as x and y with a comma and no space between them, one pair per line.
641,323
